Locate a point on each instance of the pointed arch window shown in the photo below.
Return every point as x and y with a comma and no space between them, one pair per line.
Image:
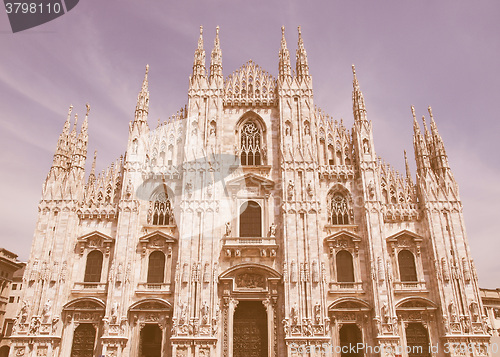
250,219
338,209
407,269
93,267
250,144
162,209
345,267
156,267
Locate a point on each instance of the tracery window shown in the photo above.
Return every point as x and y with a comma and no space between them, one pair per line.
156,267
339,210
250,144
407,269
93,267
162,210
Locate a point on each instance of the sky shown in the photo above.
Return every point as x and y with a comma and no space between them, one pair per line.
440,53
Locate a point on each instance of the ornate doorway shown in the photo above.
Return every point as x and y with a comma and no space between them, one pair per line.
417,340
83,341
250,330
350,336
151,338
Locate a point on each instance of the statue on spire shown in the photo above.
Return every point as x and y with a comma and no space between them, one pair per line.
199,58
358,100
216,61
285,68
301,58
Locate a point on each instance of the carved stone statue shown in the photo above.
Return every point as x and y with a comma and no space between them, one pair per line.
317,313
228,229
294,314
205,309
46,311
272,230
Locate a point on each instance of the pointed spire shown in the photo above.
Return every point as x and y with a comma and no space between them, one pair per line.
216,60
419,145
285,67
91,179
301,58
407,167
441,158
199,57
358,100
142,107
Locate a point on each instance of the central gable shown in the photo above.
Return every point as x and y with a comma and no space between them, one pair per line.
250,84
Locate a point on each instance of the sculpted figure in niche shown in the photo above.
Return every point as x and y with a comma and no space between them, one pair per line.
272,230
46,310
295,314
228,229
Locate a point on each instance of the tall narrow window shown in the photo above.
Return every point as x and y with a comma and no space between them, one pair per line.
250,220
251,144
345,268
94,267
339,210
407,270
162,209
156,267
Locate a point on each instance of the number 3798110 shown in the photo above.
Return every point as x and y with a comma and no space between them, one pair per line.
32,8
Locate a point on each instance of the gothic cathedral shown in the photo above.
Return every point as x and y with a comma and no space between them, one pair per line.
250,224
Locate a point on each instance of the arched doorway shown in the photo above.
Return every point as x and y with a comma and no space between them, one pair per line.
417,340
350,336
4,351
151,339
250,330
83,341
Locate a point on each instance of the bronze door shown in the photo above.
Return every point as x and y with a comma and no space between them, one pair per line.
250,330
151,338
83,341
417,340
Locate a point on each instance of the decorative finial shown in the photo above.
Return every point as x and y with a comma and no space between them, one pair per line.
429,109
217,30
300,31
70,108
147,69
353,70
283,30
413,113
88,108
201,30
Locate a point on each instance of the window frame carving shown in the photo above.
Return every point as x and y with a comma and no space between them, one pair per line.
260,130
161,196
148,244
350,242
344,192
406,240
85,245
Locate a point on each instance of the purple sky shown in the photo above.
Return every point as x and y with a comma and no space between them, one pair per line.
440,53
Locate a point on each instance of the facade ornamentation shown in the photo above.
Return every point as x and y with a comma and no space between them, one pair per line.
249,218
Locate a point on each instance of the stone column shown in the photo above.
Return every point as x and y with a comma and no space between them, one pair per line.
271,337
230,320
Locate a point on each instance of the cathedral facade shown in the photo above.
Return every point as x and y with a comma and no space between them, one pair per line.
250,223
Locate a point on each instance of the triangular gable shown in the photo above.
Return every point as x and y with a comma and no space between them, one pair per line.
343,234
149,237
404,233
